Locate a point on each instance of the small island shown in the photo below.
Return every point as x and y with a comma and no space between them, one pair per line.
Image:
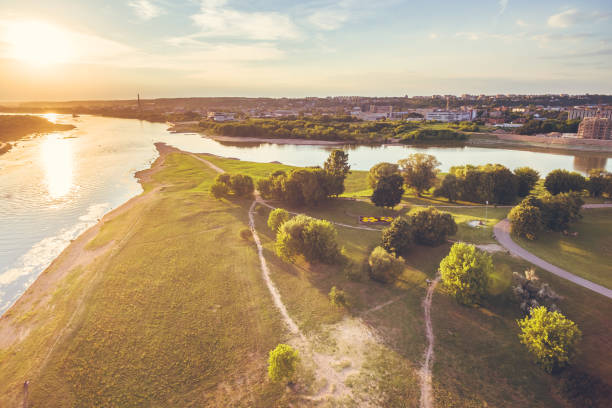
15,127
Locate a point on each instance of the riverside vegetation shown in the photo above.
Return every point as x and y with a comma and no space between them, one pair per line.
174,328
15,127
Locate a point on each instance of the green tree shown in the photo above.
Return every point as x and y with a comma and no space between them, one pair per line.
449,188
381,170
242,185
599,182
465,272
282,363
560,210
420,171
219,190
398,237
276,218
385,267
316,240
525,221
527,179
337,168
550,336
431,227
388,191
562,181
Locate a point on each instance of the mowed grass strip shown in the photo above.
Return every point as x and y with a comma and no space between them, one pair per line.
180,315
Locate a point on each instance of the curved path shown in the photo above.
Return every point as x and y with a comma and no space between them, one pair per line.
502,233
425,374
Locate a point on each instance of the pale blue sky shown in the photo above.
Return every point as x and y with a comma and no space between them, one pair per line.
115,48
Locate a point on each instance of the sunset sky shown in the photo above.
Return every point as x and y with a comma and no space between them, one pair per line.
67,49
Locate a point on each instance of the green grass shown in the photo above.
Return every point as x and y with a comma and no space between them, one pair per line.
588,255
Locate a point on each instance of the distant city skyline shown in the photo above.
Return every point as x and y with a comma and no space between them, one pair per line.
115,49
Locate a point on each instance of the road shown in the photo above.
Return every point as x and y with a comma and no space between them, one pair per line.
502,233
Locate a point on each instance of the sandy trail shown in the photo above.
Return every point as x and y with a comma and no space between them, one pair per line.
426,389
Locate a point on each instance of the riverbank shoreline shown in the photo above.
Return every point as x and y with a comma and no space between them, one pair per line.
74,255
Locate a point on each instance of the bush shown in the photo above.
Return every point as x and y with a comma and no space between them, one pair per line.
384,266
525,221
550,337
388,191
314,239
562,181
242,185
527,180
465,272
282,363
599,183
337,297
381,170
276,218
398,237
245,234
219,190
431,227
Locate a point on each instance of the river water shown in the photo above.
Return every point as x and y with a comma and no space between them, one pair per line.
54,187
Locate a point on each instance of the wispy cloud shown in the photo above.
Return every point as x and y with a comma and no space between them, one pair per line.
216,19
574,16
503,4
328,19
521,23
145,9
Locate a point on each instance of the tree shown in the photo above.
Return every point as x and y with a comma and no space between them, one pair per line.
337,297
398,237
560,210
276,218
600,182
384,266
306,186
219,190
465,272
420,171
242,185
550,336
527,179
449,188
562,181
314,239
431,227
388,191
381,170
337,168
282,363
503,183
525,221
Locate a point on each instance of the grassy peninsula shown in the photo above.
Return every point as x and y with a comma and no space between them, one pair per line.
15,127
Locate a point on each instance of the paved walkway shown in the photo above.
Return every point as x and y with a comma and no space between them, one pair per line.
502,233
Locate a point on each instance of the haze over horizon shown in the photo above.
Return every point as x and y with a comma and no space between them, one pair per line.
64,50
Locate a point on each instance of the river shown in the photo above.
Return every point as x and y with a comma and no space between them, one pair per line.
55,186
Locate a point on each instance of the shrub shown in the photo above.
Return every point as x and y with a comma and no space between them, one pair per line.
525,221
550,337
381,170
431,227
398,237
562,181
337,297
527,179
384,266
282,363
219,190
276,218
599,183
388,191
420,171
242,185
465,272
245,234
314,239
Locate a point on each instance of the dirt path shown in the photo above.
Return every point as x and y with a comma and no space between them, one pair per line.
426,389
502,233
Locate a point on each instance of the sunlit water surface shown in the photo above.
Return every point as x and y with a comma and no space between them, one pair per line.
54,187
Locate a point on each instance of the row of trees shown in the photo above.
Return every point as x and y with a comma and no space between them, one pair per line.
599,182
548,212
550,125
307,186
239,185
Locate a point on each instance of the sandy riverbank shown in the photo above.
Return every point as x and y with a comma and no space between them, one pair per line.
75,255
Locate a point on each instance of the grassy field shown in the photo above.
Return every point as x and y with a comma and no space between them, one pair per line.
588,255
177,314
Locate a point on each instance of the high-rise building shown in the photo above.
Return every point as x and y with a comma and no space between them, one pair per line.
589,113
595,128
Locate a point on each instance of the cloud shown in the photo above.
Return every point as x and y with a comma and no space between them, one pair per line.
503,4
433,36
145,9
215,19
328,19
572,17
521,23
468,36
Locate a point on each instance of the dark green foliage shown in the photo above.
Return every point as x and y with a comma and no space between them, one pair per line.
550,125
388,191
492,182
431,227
527,179
337,168
599,183
316,240
385,267
241,185
449,188
398,237
420,171
219,190
381,170
563,181
425,135
560,210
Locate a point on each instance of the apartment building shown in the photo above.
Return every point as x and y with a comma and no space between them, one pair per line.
595,128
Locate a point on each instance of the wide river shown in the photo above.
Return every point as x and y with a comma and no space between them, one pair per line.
54,187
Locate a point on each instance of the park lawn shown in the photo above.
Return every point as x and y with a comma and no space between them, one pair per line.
482,234
253,169
588,255
176,315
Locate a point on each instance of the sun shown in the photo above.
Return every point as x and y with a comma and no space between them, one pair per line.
39,43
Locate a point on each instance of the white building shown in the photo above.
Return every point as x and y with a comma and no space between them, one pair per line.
221,116
451,116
